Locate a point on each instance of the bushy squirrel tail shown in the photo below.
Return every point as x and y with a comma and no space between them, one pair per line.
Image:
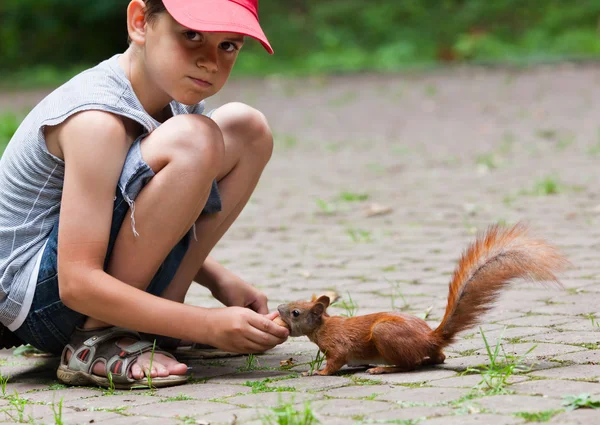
490,263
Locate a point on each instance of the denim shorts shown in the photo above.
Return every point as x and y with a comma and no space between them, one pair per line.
50,323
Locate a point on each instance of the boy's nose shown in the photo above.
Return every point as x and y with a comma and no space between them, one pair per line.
208,60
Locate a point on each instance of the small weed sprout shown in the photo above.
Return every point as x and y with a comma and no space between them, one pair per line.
350,306
317,362
496,374
583,400
286,414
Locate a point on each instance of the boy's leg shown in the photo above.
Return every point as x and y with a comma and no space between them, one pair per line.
247,142
248,147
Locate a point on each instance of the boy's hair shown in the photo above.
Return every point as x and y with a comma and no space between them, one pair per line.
153,8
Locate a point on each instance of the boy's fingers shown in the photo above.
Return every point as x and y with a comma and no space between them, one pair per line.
262,323
262,339
271,316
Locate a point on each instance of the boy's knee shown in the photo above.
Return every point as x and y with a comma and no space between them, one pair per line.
252,127
195,139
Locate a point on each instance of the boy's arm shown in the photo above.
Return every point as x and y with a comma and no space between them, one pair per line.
94,145
229,288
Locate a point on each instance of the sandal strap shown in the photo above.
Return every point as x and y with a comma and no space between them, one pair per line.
90,346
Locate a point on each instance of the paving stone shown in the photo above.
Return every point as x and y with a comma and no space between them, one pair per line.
588,356
255,375
55,396
505,404
74,417
207,391
576,417
577,325
171,409
584,372
270,399
35,411
568,337
420,375
24,387
141,420
342,407
410,413
112,401
365,391
312,383
555,388
460,364
425,395
242,416
538,320
541,349
469,381
477,419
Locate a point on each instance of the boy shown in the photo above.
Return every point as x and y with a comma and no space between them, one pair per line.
115,189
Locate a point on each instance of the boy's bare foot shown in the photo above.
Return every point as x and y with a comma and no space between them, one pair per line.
162,366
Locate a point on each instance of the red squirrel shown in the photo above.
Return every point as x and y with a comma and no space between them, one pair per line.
403,342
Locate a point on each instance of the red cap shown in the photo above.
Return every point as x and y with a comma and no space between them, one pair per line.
238,16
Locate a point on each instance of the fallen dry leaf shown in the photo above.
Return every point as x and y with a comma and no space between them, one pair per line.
288,362
377,209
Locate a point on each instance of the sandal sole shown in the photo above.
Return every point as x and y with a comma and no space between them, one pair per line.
77,378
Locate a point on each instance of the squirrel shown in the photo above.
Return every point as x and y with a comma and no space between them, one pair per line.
402,342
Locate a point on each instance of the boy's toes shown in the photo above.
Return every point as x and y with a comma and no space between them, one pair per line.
136,371
177,369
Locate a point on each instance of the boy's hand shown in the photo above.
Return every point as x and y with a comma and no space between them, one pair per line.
242,330
234,291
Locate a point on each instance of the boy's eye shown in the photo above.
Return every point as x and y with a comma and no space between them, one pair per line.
228,46
193,35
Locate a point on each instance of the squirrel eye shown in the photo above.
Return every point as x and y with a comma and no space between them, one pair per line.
295,313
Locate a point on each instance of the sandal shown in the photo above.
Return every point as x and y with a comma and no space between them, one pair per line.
90,346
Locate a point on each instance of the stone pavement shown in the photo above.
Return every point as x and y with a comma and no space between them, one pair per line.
443,155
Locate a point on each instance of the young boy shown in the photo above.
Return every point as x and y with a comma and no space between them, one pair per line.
115,189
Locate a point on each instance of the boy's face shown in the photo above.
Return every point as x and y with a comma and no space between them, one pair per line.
188,66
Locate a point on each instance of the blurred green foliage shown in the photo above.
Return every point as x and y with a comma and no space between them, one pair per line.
324,35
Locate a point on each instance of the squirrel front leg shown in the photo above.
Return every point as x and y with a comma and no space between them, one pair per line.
332,366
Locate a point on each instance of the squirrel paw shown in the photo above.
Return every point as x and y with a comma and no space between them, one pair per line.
315,373
380,370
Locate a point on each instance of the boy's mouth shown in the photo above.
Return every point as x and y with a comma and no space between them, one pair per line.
200,82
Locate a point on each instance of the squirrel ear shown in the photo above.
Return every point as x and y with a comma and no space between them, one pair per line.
318,309
324,299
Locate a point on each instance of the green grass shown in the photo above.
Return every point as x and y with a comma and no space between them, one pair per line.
179,397
317,362
3,382
57,412
494,377
353,197
543,416
262,387
349,306
583,400
287,414
549,185
359,235
251,363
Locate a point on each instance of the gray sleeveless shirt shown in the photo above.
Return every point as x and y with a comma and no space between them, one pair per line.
31,178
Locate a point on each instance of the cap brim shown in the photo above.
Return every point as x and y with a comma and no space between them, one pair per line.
217,16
